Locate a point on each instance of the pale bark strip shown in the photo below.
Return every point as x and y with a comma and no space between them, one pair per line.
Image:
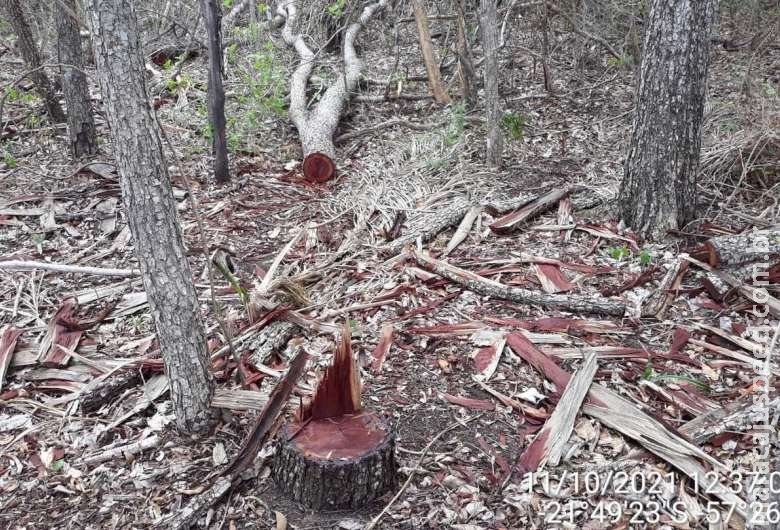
56,267
316,126
562,419
212,15
81,123
658,192
463,229
151,210
429,57
488,287
489,28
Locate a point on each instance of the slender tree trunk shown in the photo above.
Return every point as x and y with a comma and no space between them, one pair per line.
212,14
151,210
545,23
465,60
81,124
489,27
429,56
658,192
12,9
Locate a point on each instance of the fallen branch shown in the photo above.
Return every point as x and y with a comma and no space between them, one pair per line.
488,287
120,451
316,126
66,269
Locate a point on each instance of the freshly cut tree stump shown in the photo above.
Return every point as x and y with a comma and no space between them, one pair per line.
337,455
337,463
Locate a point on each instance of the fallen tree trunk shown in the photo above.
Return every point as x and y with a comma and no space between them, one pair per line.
316,126
739,249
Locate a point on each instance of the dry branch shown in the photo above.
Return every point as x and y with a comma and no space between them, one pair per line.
316,126
488,287
56,267
120,451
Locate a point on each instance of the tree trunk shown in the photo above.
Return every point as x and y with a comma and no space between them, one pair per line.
489,27
81,123
465,60
12,9
151,210
429,57
212,14
658,192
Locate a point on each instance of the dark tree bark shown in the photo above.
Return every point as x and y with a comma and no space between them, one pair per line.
658,192
151,210
488,24
212,14
81,123
12,9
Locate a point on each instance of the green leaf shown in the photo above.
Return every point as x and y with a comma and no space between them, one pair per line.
58,465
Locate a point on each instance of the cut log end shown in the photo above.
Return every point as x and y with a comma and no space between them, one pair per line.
318,167
345,462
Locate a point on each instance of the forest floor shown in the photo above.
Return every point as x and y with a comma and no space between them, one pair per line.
447,377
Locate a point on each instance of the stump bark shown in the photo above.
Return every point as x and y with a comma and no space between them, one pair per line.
345,462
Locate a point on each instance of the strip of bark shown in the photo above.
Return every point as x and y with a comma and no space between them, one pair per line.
262,429
56,267
495,289
7,347
624,417
548,445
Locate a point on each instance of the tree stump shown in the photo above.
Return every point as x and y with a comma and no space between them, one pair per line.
343,462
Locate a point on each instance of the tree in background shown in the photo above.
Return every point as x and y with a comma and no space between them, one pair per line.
81,124
12,9
151,211
212,14
658,192
488,24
